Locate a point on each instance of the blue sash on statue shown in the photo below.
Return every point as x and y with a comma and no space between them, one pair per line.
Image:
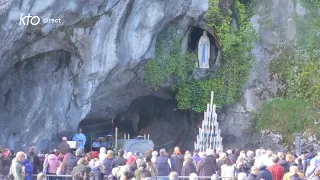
204,53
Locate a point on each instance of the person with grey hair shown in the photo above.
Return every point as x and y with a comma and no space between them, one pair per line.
174,176
254,173
193,176
163,164
276,170
16,166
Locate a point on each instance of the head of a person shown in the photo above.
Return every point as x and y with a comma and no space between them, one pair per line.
80,130
64,139
255,170
176,149
162,152
294,169
31,149
155,153
227,161
229,152
240,160
281,155
174,176
41,176
137,154
275,158
129,154
148,152
131,160
56,151
250,154
187,153
290,158
79,152
269,152
148,159
223,156
214,177
189,159
209,152
109,154
193,176
196,152
11,152
120,152
139,163
82,161
20,156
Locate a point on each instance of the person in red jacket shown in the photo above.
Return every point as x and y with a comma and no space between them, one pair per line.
276,170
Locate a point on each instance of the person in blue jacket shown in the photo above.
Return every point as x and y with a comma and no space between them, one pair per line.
28,169
80,138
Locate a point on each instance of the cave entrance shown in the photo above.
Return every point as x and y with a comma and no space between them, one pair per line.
153,115
194,38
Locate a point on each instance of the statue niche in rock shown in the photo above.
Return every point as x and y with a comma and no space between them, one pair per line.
204,51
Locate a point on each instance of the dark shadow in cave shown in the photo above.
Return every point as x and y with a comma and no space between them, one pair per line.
167,126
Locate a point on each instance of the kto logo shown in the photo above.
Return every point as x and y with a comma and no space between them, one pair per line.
34,20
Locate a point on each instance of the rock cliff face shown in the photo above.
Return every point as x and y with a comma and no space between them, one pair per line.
87,67
53,75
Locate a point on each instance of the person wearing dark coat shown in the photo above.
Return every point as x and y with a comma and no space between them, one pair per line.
264,173
69,162
163,163
64,146
207,165
108,163
188,168
177,160
34,160
120,160
253,173
282,162
4,166
80,169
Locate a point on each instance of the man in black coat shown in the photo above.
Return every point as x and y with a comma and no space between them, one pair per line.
188,168
34,161
120,160
264,173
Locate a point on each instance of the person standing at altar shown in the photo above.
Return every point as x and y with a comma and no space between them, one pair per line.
80,138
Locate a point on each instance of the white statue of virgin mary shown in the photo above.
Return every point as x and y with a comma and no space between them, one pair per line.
204,51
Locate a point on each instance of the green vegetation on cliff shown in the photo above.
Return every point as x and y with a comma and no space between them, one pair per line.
297,69
286,117
234,35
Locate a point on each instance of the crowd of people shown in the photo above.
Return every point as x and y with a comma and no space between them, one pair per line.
262,164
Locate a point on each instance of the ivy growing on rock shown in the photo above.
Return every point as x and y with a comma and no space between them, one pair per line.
287,116
297,69
234,34
235,41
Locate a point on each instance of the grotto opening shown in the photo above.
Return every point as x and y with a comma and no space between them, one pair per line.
168,127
